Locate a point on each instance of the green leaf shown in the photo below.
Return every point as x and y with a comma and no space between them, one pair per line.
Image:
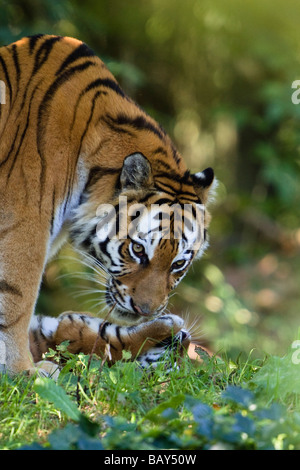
50,391
279,376
156,415
73,437
88,427
66,438
238,395
113,376
126,355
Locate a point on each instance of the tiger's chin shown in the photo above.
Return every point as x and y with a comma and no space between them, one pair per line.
123,316
127,318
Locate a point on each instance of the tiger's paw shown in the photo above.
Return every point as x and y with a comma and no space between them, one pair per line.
169,352
162,327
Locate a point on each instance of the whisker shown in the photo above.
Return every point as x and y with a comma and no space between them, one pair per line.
87,290
103,309
82,294
193,327
91,261
82,275
96,305
173,293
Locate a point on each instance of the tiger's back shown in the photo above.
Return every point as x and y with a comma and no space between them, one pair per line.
66,131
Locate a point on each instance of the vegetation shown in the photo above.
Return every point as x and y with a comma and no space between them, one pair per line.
218,404
217,75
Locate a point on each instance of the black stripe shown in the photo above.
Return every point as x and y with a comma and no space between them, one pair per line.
81,51
97,172
176,155
25,184
139,123
6,287
23,134
16,62
97,94
187,194
119,337
170,175
116,128
53,210
20,143
43,52
188,199
106,83
186,178
113,347
160,150
49,95
102,246
102,329
67,186
11,148
72,177
83,93
160,162
120,251
167,188
33,40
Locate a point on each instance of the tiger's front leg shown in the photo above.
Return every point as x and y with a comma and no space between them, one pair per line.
89,334
23,244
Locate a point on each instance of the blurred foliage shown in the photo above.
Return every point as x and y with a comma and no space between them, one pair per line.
218,76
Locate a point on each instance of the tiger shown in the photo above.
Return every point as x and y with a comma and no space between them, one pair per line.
72,143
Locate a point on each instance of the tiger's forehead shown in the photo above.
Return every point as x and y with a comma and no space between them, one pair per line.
179,228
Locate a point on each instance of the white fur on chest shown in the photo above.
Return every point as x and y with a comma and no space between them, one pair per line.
63,213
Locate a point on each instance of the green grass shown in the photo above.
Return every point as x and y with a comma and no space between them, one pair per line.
233,405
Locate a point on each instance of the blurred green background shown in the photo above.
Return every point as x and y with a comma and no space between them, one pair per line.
217,75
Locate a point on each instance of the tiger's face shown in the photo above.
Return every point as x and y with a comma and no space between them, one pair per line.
146,266
146,240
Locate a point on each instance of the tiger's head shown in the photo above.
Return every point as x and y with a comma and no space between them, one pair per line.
147,236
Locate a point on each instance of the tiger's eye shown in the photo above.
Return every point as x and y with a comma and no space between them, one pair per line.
178,264
138,249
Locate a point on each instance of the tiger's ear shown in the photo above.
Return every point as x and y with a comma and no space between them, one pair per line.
136,172
204,184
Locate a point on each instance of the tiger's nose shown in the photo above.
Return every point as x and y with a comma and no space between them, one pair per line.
143,310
